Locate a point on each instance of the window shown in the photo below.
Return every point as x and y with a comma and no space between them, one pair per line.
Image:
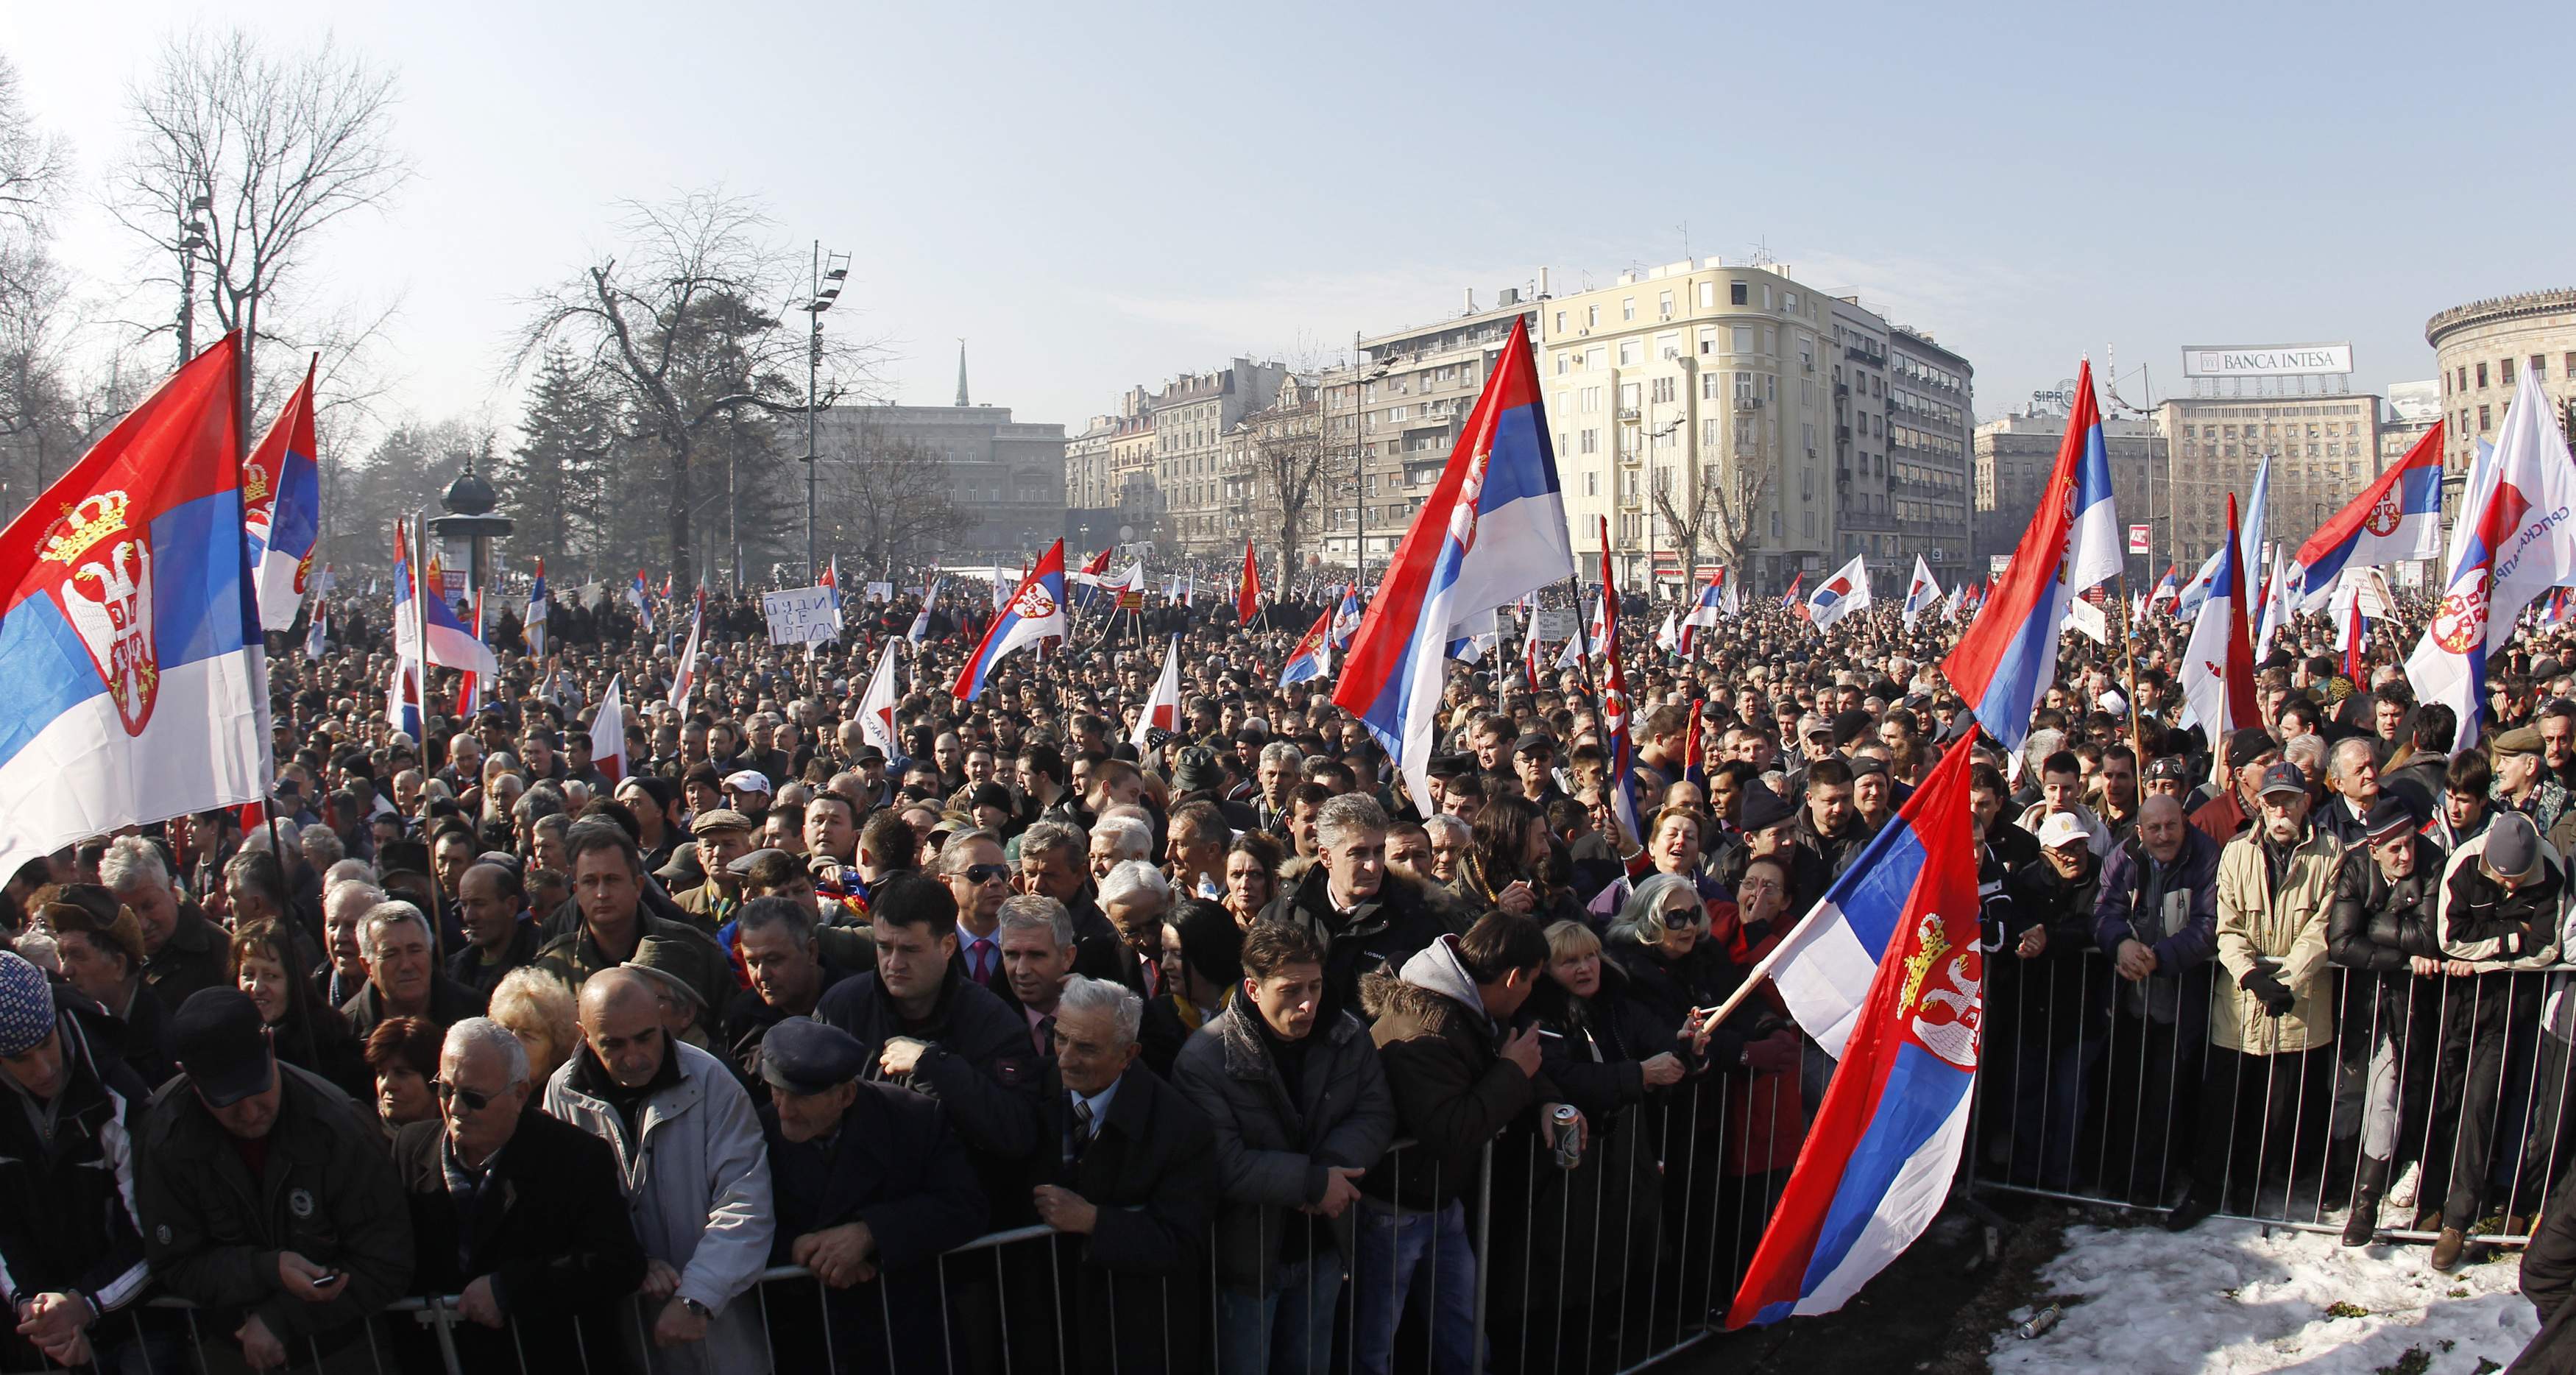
2482,419
1789,302
1664,304
1743,333
1591,316
1627,396
2504,375
1707,295
1627,307
2539,367
1628,351
1668,344
1591,441
1560,322
1707,337
1592,484
2482,374
1811,525
1564,359
1663,390
1592,398
1708,386
1596,357
1735,295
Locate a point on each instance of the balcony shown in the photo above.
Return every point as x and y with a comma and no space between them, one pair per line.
1628,415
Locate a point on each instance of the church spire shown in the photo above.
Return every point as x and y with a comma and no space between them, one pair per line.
961,373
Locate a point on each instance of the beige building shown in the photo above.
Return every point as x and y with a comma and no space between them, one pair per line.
1191,415
2324,448
1697,378
2015,454
2485,347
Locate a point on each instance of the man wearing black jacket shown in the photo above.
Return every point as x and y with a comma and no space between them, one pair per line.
2382,928
1364,916
927,1028
518,1213
2156,916
70,1242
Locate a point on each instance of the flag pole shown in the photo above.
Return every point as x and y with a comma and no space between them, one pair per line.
2129,653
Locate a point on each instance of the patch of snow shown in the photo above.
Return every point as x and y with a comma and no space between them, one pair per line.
2225,1298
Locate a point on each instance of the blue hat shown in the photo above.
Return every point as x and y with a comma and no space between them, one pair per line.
26,1005
803,1056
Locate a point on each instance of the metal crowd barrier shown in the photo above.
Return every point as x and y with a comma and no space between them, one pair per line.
2093,1089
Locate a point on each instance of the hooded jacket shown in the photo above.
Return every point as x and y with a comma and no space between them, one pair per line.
1274,1146
67,1218
1453,1090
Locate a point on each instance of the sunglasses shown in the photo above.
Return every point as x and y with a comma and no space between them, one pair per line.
474,1101
987,873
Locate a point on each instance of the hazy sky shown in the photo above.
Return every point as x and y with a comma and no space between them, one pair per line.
1096,195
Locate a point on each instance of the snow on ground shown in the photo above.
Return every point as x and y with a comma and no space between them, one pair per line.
2226,1298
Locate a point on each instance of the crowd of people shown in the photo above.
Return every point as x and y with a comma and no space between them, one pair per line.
1045,1041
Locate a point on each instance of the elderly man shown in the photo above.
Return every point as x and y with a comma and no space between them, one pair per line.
1137,899
1125,1173
343,970
70,1241
870,1187
331,1245
2382,929
608,890
724,835
516,1212
1038,956
1364,917
403,978
1194,851
500,931
782,961
1116,840
978,878
928,1028
182,951
1300,1110
2352,785
692,1167
2272,1010
2156,916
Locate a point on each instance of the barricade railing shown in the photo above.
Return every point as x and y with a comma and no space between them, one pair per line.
2442,1092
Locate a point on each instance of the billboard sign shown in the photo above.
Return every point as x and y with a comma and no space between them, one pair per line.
2141,540
2265,360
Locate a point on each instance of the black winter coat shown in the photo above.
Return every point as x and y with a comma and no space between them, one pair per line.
1379,935
1133,1293
65,1225
556,1239
981,1066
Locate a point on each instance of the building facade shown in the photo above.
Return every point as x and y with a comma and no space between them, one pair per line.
1191,415
1930,420
1009,475
2486,347
2016,452
2323,448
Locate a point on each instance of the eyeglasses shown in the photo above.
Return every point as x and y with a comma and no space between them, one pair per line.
473,1100
987,873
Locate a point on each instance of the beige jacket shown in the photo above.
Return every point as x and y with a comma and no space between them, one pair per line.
2287,927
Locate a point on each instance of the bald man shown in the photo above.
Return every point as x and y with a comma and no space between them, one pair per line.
2157,918
703,1210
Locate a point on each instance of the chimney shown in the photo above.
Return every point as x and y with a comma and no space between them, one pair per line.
1542,284
1471,300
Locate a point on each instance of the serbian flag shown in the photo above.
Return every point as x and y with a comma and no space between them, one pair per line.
639,594
1704,612
1162,705
130,635
2218,663
539,606
1922,594
282,506
2397,517
2168,590
832,583
1532,674
1083,583
402,697
1313,656
446,640
2008,655
1886,974
469,686
1694,755
1492,530
1614,709
920,629
2519,546
1845,592
1247,593
608,732
318,630
685,675
1034,612
1791,598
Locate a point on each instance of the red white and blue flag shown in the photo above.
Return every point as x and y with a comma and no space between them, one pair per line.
2218,662
1084,583
318,630
2398,517
1033,613
1694,754
641,595
539,607
1704,612
282,507
1885,973
1492,529
2008,656
1922,594
1313,657
1614,708
130,633
445,639
920,628
1845,592
684,676
2514,543
2168,590
469,687
1790,599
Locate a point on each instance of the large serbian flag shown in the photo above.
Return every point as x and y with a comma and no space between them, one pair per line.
282,506
1034,612
1885,972
2396,518
129,635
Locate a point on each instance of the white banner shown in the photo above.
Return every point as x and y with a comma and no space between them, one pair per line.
800,615
880,591
1555,624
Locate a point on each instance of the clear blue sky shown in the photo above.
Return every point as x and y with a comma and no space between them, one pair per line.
1098,195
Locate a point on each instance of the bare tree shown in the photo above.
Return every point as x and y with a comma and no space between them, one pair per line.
1723,510
683,327
33,163
276,147
890,503
1288,456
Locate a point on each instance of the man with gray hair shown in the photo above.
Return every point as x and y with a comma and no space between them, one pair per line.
2352,784
1125,1173
343,971
1038,955
1137,899
182,951
517,1213
1364,915
1277,775
403,977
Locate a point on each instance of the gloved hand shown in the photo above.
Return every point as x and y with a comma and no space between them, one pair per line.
2267,988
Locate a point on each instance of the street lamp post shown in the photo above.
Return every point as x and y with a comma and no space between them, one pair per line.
828,277
1359,464
192,240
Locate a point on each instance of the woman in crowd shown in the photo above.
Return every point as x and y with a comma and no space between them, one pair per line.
1251,876
305,1033
538,1008
402,1054
1507,864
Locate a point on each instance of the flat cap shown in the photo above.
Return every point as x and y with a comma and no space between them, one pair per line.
803,1056
719,819
2387,817
2248,744
2284,777
2170,767
2519,740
